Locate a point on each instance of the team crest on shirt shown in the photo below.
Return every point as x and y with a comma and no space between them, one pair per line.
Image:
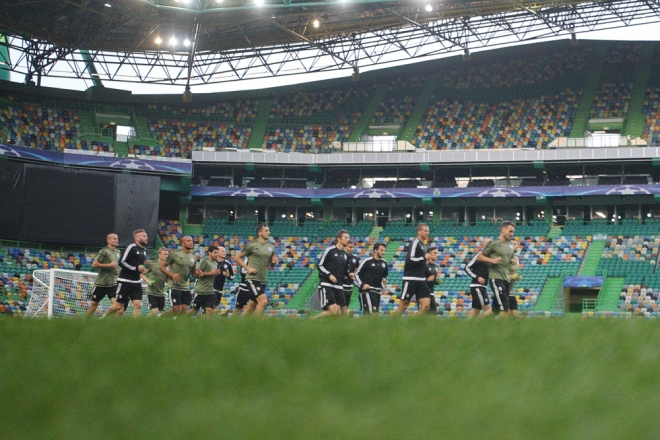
270,249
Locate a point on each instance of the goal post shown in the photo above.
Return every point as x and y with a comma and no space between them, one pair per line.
62,292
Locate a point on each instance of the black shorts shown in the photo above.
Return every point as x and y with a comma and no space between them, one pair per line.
156,302
370,301
255,289
479,296
500,290
128,292
348,294
329,296
513,302
418,289
340,298
206,301
242,296
180,297
100,292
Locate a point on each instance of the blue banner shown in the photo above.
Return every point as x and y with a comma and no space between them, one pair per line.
419,193
586,282
96,161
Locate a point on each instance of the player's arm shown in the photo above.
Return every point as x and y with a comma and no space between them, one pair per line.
358,276
384,282
98,265
324,270
417,250
146,279
204,266
229,273
484,258
469,267
164,268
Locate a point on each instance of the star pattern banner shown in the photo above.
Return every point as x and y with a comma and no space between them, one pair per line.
96,161
420,193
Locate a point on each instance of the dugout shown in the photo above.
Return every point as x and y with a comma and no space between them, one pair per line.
582,293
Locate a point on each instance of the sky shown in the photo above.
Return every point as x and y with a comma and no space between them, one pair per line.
646,32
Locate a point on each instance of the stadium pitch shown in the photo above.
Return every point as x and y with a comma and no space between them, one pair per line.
336,378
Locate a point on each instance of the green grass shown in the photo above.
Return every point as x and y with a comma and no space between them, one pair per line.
314,379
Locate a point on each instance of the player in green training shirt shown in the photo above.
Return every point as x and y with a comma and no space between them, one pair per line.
179,266
261,255
205,297
498,253
156,280
106,282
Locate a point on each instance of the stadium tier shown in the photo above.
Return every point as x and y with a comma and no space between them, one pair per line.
179,139
305,138
341,106
400,100
523,123
521,99
651,110
612,100
31,125
537,67
228,111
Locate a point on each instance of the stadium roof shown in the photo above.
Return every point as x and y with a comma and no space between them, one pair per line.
189,42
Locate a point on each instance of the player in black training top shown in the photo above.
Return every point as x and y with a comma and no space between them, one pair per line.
478,271
414,271
349,278
432,276
129,283
370,278
332,268
226,272
242,293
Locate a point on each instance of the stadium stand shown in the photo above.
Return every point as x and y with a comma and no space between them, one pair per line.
179,139
309,122
240,111
611,100
342,106
402,95
522,123
519,71
31,125
651,110
305,138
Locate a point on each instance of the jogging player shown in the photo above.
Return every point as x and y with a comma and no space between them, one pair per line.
156,281
205,297
414,271
349,278
179,266
242,294
332,268
498,254
371,278
478,271
226,272
432,277
261,255
129,283
106,281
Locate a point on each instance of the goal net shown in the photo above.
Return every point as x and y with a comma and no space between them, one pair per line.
60,292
